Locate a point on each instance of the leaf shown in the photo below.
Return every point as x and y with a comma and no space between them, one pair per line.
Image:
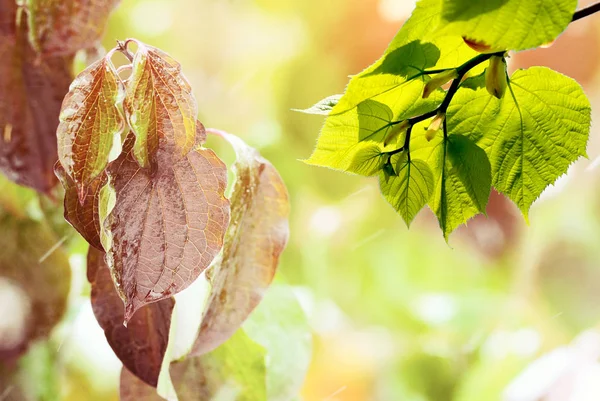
280,326
462,175
323,107
89,120
141,345
531,136
255,239
31,92
411,189
159,106
62,27
83,216
167,224
352,141
134,389
507,24
233,371
36,277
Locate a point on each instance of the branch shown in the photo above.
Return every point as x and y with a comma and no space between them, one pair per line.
585,12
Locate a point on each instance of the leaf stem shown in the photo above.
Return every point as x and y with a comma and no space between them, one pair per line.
585,12
122,47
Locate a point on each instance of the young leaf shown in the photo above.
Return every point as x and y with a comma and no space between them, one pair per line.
62,27
411,189
506,24
235,370
353,140
251,252
83,216
323,107
89,120
532,135
462,176
142,344
32,260
31,92
167,224
159,106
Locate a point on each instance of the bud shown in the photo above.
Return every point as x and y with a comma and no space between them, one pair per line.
395,132
439,80
495,76
434,127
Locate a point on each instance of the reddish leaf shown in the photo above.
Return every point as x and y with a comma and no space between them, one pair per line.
66,26
31,92
141,345
36,278
89,120
159,106
133,389
167,225
83,216
254,241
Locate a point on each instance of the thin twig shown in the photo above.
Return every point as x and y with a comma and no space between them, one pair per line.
585,12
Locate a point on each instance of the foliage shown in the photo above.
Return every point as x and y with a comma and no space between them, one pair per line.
448,147
148,197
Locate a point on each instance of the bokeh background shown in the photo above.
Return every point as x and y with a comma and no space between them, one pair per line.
508,311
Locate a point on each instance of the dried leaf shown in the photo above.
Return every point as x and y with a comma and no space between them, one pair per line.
133,389
37,270
31,92
167,225
141,345
66,26
89,120
83,216
251,252
234,371
159,106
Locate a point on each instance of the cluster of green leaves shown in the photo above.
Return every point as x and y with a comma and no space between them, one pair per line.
149,198
446,148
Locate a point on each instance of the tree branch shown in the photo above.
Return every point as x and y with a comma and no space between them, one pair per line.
585,12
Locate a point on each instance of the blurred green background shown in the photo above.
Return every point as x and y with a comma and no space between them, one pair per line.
396,314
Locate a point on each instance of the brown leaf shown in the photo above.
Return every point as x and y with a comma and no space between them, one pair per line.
83,216
133,389
62,27
35,270
89,120
167,225
159,106
255,239
141,345
31,92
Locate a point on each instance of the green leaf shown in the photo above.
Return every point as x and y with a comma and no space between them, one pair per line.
462,176
507,24
323,107
352,141
531,135
233,371
280,326
411,189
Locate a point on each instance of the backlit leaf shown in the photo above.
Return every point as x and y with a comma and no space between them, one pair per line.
255,239
159,106
31,92
462,175
507,24
83,216
89,120
66,26
36,267
167,225
141,345
233,371
411,189
323,107
531,135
